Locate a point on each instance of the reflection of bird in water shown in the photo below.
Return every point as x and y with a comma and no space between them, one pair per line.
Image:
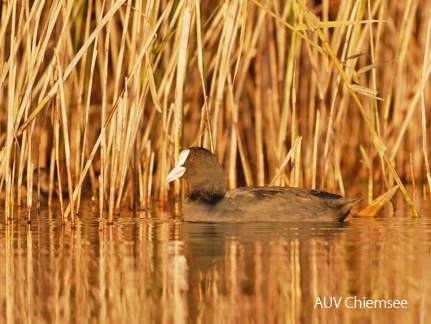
259,271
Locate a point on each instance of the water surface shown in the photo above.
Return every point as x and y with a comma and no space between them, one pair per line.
149,268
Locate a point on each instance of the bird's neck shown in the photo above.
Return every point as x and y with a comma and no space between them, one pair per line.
210,191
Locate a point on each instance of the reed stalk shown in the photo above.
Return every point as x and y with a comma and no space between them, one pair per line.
115,157
424,121
258,129
30,171
388,100
205,118
10,116
82,75
181,69
51,177
286,160
150,178
412,174
330,131
66,140
21,165
315,145
103,147
57,123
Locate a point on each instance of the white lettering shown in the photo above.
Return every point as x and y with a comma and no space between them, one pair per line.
318,302
324,302
355,302
339,301
345,302
380,303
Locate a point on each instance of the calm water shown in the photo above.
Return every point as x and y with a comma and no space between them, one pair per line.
148,270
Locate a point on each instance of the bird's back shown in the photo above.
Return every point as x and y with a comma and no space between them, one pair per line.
270,204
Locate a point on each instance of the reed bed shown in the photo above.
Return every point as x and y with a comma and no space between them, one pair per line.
97,98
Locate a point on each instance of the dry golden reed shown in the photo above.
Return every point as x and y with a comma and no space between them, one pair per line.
99,97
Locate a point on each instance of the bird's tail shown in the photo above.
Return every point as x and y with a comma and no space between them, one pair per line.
345,204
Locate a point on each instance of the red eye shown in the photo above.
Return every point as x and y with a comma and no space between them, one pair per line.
193,159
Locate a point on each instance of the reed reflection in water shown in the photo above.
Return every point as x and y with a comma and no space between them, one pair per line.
143,270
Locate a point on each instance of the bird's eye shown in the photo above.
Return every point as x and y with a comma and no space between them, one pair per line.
193,159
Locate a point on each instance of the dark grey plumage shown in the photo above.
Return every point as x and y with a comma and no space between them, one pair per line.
208,200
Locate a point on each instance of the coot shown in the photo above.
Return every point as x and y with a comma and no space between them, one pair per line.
208,200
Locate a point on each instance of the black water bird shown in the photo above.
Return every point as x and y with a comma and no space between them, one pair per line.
208,200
